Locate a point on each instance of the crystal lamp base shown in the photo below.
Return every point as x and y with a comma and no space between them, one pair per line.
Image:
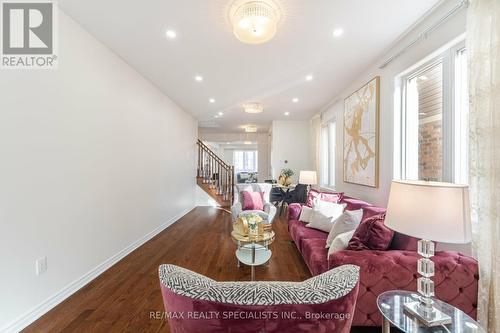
430,319
424,309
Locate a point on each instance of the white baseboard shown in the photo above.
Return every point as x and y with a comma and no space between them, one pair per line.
30,316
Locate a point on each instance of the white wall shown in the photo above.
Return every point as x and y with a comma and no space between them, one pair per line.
229,156
93,159
444,34
291,144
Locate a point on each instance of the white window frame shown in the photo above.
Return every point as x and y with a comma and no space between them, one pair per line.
454,118
245,159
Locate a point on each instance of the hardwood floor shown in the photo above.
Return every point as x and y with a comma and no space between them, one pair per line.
122,298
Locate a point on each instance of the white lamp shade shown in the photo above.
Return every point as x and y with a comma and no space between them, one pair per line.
430,210
308,178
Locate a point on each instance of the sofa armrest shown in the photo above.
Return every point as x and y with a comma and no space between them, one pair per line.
270,209
456,277
294,211
236,209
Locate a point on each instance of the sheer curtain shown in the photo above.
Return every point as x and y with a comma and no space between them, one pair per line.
483,47
315,139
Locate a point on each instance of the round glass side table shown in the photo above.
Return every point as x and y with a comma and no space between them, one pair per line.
253,252
390,305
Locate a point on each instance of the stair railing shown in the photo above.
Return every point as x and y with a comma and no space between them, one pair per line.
215,172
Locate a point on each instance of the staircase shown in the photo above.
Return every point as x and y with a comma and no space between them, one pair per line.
215,176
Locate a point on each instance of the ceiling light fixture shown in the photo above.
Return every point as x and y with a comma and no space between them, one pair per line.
255,22
309,77
247,142
220,113
253,107
286,113
198,78
171,34
212,100
338,32
295,100
251,129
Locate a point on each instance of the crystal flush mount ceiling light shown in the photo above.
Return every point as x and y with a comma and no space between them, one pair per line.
253,107
251,129
255,22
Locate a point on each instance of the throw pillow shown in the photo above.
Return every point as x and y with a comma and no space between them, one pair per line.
325,196
330,209
305,214
371,234
331,196
311,195
348,221
320,221
323,214
252,200
340,242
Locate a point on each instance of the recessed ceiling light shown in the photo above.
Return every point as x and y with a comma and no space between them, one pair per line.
247,142
171,34
212,100
338,32
216,116
295,100
220,113
287,113
309,77
198,78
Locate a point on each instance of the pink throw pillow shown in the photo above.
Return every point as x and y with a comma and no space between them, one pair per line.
310,197
335,197
252,200
371,234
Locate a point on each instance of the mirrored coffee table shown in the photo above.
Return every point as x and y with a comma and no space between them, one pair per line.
390,305
253,251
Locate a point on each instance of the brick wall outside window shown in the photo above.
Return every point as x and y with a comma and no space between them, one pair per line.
430,153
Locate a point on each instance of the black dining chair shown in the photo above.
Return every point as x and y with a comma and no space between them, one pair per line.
276,196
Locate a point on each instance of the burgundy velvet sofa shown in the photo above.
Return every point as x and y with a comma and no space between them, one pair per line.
456,279
195,303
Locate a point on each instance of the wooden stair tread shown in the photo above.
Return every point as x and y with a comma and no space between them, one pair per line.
211,192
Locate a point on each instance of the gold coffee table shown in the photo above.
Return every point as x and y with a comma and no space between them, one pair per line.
253,251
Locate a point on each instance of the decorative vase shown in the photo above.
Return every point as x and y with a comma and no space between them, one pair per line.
285,181
253,230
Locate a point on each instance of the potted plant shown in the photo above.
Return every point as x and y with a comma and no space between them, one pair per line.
253,221
285,177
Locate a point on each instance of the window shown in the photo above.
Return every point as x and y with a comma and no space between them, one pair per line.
245,161
434,119
327,155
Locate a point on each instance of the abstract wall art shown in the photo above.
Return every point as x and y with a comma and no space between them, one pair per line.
361,127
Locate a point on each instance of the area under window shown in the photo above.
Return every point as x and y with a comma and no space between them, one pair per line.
245,161
327,155
434,119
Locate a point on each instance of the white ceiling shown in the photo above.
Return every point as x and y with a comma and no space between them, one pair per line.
272,73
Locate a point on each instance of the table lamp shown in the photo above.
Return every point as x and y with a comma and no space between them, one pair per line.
431,211
308,178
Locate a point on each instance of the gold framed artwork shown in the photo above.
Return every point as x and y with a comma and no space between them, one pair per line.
361,132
